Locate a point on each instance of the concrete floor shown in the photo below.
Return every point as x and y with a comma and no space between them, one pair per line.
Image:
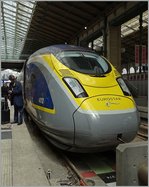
20,163
25,160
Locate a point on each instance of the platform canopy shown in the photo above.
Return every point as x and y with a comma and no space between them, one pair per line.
27,26
15,22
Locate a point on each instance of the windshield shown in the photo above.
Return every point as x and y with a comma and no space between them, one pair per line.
84,62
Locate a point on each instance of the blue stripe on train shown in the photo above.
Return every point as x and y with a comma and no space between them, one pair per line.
38,87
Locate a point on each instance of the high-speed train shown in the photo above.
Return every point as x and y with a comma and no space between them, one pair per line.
78,99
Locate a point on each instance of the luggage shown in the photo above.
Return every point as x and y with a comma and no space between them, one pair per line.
5,116
5,112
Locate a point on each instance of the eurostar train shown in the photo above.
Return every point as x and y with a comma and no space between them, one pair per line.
78,99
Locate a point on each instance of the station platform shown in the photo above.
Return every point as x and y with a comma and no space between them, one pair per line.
22,161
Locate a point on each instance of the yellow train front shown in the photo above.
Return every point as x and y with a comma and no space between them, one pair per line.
78,99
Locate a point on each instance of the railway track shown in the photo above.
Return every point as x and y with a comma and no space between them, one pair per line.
143,112
143,130
97,169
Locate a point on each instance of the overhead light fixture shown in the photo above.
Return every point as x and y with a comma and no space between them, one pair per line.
85,27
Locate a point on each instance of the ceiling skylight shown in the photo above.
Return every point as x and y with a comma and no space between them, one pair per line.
15,21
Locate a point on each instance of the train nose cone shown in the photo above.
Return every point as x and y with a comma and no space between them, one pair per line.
101,128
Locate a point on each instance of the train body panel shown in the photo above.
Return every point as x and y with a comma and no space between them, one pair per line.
108,102
78,109
105,127
57,114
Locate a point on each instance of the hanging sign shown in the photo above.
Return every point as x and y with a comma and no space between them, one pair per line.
137,55
143,54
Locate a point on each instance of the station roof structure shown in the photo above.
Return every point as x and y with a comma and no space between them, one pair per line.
27,26
15,20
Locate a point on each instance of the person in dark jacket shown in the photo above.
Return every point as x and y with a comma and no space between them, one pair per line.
10,95
15,91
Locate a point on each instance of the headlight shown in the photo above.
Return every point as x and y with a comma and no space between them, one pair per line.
75,87
123,86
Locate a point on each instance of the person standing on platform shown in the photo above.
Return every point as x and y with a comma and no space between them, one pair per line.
16,98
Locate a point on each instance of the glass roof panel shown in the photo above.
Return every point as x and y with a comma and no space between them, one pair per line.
26,9
126,28
7,11
8,19
28,4
21,21
133,24
98,42
23,13
12,3
15,21
10,7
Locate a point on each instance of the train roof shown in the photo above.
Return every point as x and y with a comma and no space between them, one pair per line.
54,49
